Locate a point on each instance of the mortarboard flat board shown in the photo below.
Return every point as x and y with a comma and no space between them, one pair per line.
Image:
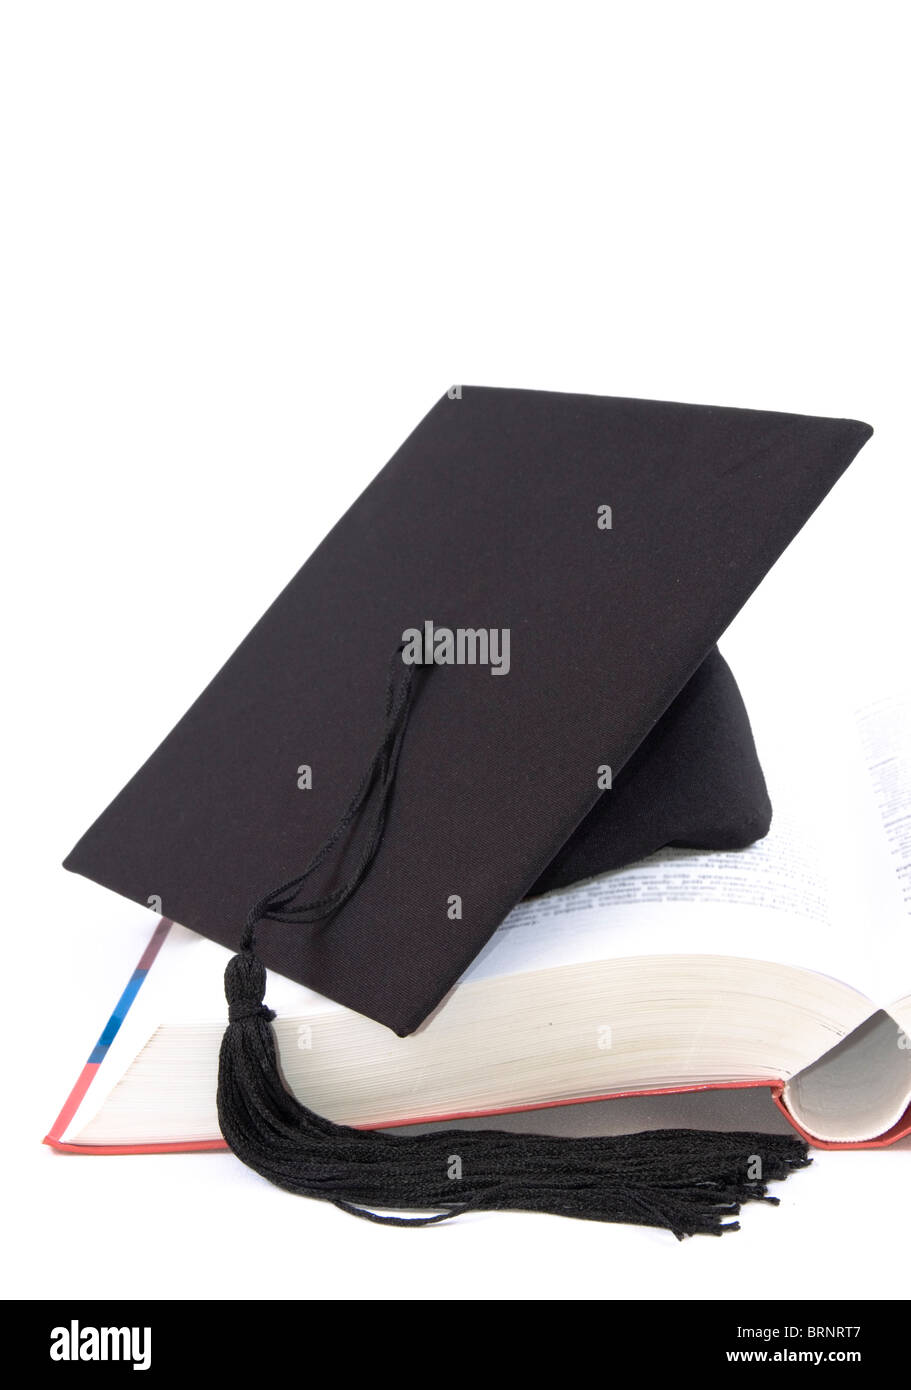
490,517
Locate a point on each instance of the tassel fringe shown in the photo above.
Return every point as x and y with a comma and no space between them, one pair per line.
686,1181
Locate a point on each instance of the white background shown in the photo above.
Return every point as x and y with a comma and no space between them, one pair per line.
245,247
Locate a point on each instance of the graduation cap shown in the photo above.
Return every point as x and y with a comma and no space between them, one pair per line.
497,674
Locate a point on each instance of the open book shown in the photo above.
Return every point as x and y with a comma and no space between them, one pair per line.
786,965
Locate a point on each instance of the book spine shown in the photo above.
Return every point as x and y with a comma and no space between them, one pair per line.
108,1034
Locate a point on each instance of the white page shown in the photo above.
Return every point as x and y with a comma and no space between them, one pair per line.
885,732
818,893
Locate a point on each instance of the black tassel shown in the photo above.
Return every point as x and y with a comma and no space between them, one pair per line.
686,1181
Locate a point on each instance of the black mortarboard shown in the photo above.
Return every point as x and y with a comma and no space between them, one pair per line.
562,565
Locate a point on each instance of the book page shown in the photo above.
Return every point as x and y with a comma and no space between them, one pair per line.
818,893
860,1088
885,734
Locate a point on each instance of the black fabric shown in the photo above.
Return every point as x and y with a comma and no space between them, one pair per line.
485,517
695,782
